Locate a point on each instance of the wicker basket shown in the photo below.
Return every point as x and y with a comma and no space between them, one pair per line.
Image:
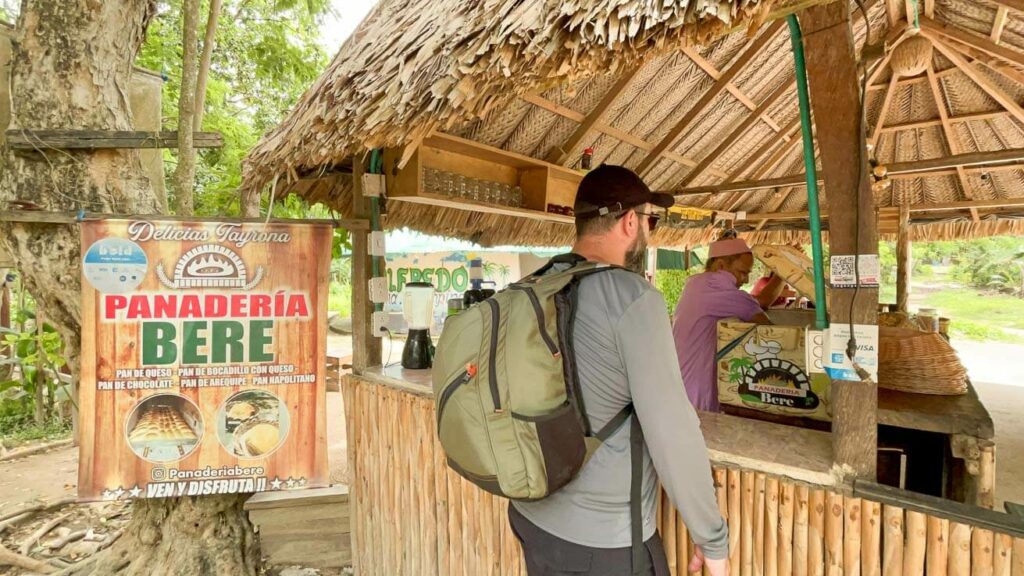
920,362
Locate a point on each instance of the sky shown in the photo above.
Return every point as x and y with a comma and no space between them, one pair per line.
347,14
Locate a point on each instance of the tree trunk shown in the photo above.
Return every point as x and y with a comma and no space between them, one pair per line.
40,407
185,173
209,43
70,68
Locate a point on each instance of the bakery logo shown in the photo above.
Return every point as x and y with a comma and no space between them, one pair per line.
776,381
210,266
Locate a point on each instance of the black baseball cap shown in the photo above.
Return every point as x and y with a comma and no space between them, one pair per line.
609,189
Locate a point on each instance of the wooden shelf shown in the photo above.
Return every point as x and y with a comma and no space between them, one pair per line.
542,183
446,202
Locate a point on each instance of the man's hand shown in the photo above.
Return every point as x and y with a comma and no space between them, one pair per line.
715,567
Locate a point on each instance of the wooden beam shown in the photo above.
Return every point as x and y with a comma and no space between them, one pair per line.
996,64
836,101
903,260
886,103
787,134
737,132
894,9
913,80
24,139
716,89
998,24
951,138
997,94
366,350
616,133
973,40
938,121
741,96
929,8
973,162
995,204
1017,5
559,154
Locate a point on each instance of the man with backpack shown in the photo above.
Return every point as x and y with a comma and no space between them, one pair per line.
624,356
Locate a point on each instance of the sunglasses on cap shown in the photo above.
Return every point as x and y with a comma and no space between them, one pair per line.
652,219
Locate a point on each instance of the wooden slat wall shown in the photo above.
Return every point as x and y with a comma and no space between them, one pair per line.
412,516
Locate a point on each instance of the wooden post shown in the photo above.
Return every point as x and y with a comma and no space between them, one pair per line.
892,551
1001,561
759,526
771,540
938,546
981,552
800,523
959,548
852,537
747,524
833,534
913,557
787,507
366,346
735,505
871,538
816,534
904,260
835,97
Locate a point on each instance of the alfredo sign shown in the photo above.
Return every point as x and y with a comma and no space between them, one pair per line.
203,347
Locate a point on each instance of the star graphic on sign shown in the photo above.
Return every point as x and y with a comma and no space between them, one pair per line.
108,495
302,481
135,492
275,484
290,483
118,493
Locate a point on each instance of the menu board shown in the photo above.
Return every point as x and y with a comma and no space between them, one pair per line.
203,357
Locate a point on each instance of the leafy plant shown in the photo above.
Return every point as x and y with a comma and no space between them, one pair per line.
28,351
670,283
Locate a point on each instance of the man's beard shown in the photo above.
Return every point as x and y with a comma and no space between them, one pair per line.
636,254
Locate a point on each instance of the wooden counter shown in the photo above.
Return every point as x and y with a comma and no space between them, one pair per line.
411,515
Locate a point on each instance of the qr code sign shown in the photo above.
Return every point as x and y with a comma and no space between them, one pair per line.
842,271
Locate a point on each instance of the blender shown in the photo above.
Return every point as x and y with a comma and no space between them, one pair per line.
418,310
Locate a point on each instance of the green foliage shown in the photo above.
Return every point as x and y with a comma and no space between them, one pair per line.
25,352
991,263
266,55
339,299
670,283
17,428
887,262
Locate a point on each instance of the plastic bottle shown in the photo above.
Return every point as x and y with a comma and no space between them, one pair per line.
588,156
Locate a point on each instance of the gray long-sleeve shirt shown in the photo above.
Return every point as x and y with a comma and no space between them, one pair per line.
625,352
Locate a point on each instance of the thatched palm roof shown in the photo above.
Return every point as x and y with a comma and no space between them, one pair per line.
666,89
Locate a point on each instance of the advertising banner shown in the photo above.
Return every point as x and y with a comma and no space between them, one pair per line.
203,357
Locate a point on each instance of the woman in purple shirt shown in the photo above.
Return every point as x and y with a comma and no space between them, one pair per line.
707,298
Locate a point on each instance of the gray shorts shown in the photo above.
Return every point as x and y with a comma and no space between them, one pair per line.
548,555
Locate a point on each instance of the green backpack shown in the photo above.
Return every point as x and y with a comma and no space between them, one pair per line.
510,415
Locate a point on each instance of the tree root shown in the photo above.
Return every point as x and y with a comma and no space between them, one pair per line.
42,531
9,558
71,537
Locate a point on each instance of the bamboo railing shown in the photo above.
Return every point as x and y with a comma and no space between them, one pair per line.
412,515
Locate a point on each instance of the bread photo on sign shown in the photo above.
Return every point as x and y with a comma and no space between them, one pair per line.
256,438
